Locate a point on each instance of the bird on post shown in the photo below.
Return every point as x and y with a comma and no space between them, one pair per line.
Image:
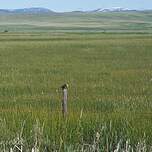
65,86
64,100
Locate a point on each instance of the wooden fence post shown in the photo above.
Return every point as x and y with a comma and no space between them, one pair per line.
64,99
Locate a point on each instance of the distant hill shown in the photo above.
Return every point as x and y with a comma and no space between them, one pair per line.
26,10
114,9
115,20
35,10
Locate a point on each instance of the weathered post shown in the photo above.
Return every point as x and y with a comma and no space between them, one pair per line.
64,100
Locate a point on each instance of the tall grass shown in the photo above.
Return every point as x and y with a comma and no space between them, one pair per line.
109,77
104,138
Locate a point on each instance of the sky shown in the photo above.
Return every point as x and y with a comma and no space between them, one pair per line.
71,5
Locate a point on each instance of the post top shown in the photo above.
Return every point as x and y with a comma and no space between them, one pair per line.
65,86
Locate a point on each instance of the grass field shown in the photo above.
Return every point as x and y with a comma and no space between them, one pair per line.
110,85
132,22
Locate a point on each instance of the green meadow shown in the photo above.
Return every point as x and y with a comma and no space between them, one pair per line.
120,22
109,96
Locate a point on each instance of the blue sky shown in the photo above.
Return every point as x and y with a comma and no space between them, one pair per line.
69,5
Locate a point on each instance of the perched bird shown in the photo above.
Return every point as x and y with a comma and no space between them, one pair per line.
65,86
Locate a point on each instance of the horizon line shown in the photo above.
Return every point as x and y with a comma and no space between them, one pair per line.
83,10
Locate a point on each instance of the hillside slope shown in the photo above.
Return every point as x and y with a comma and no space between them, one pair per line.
131,21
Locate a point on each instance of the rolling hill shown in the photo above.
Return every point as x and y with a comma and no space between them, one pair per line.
44,20
26,10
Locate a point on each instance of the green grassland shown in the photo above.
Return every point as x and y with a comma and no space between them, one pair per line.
110,84
78,22
109,77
